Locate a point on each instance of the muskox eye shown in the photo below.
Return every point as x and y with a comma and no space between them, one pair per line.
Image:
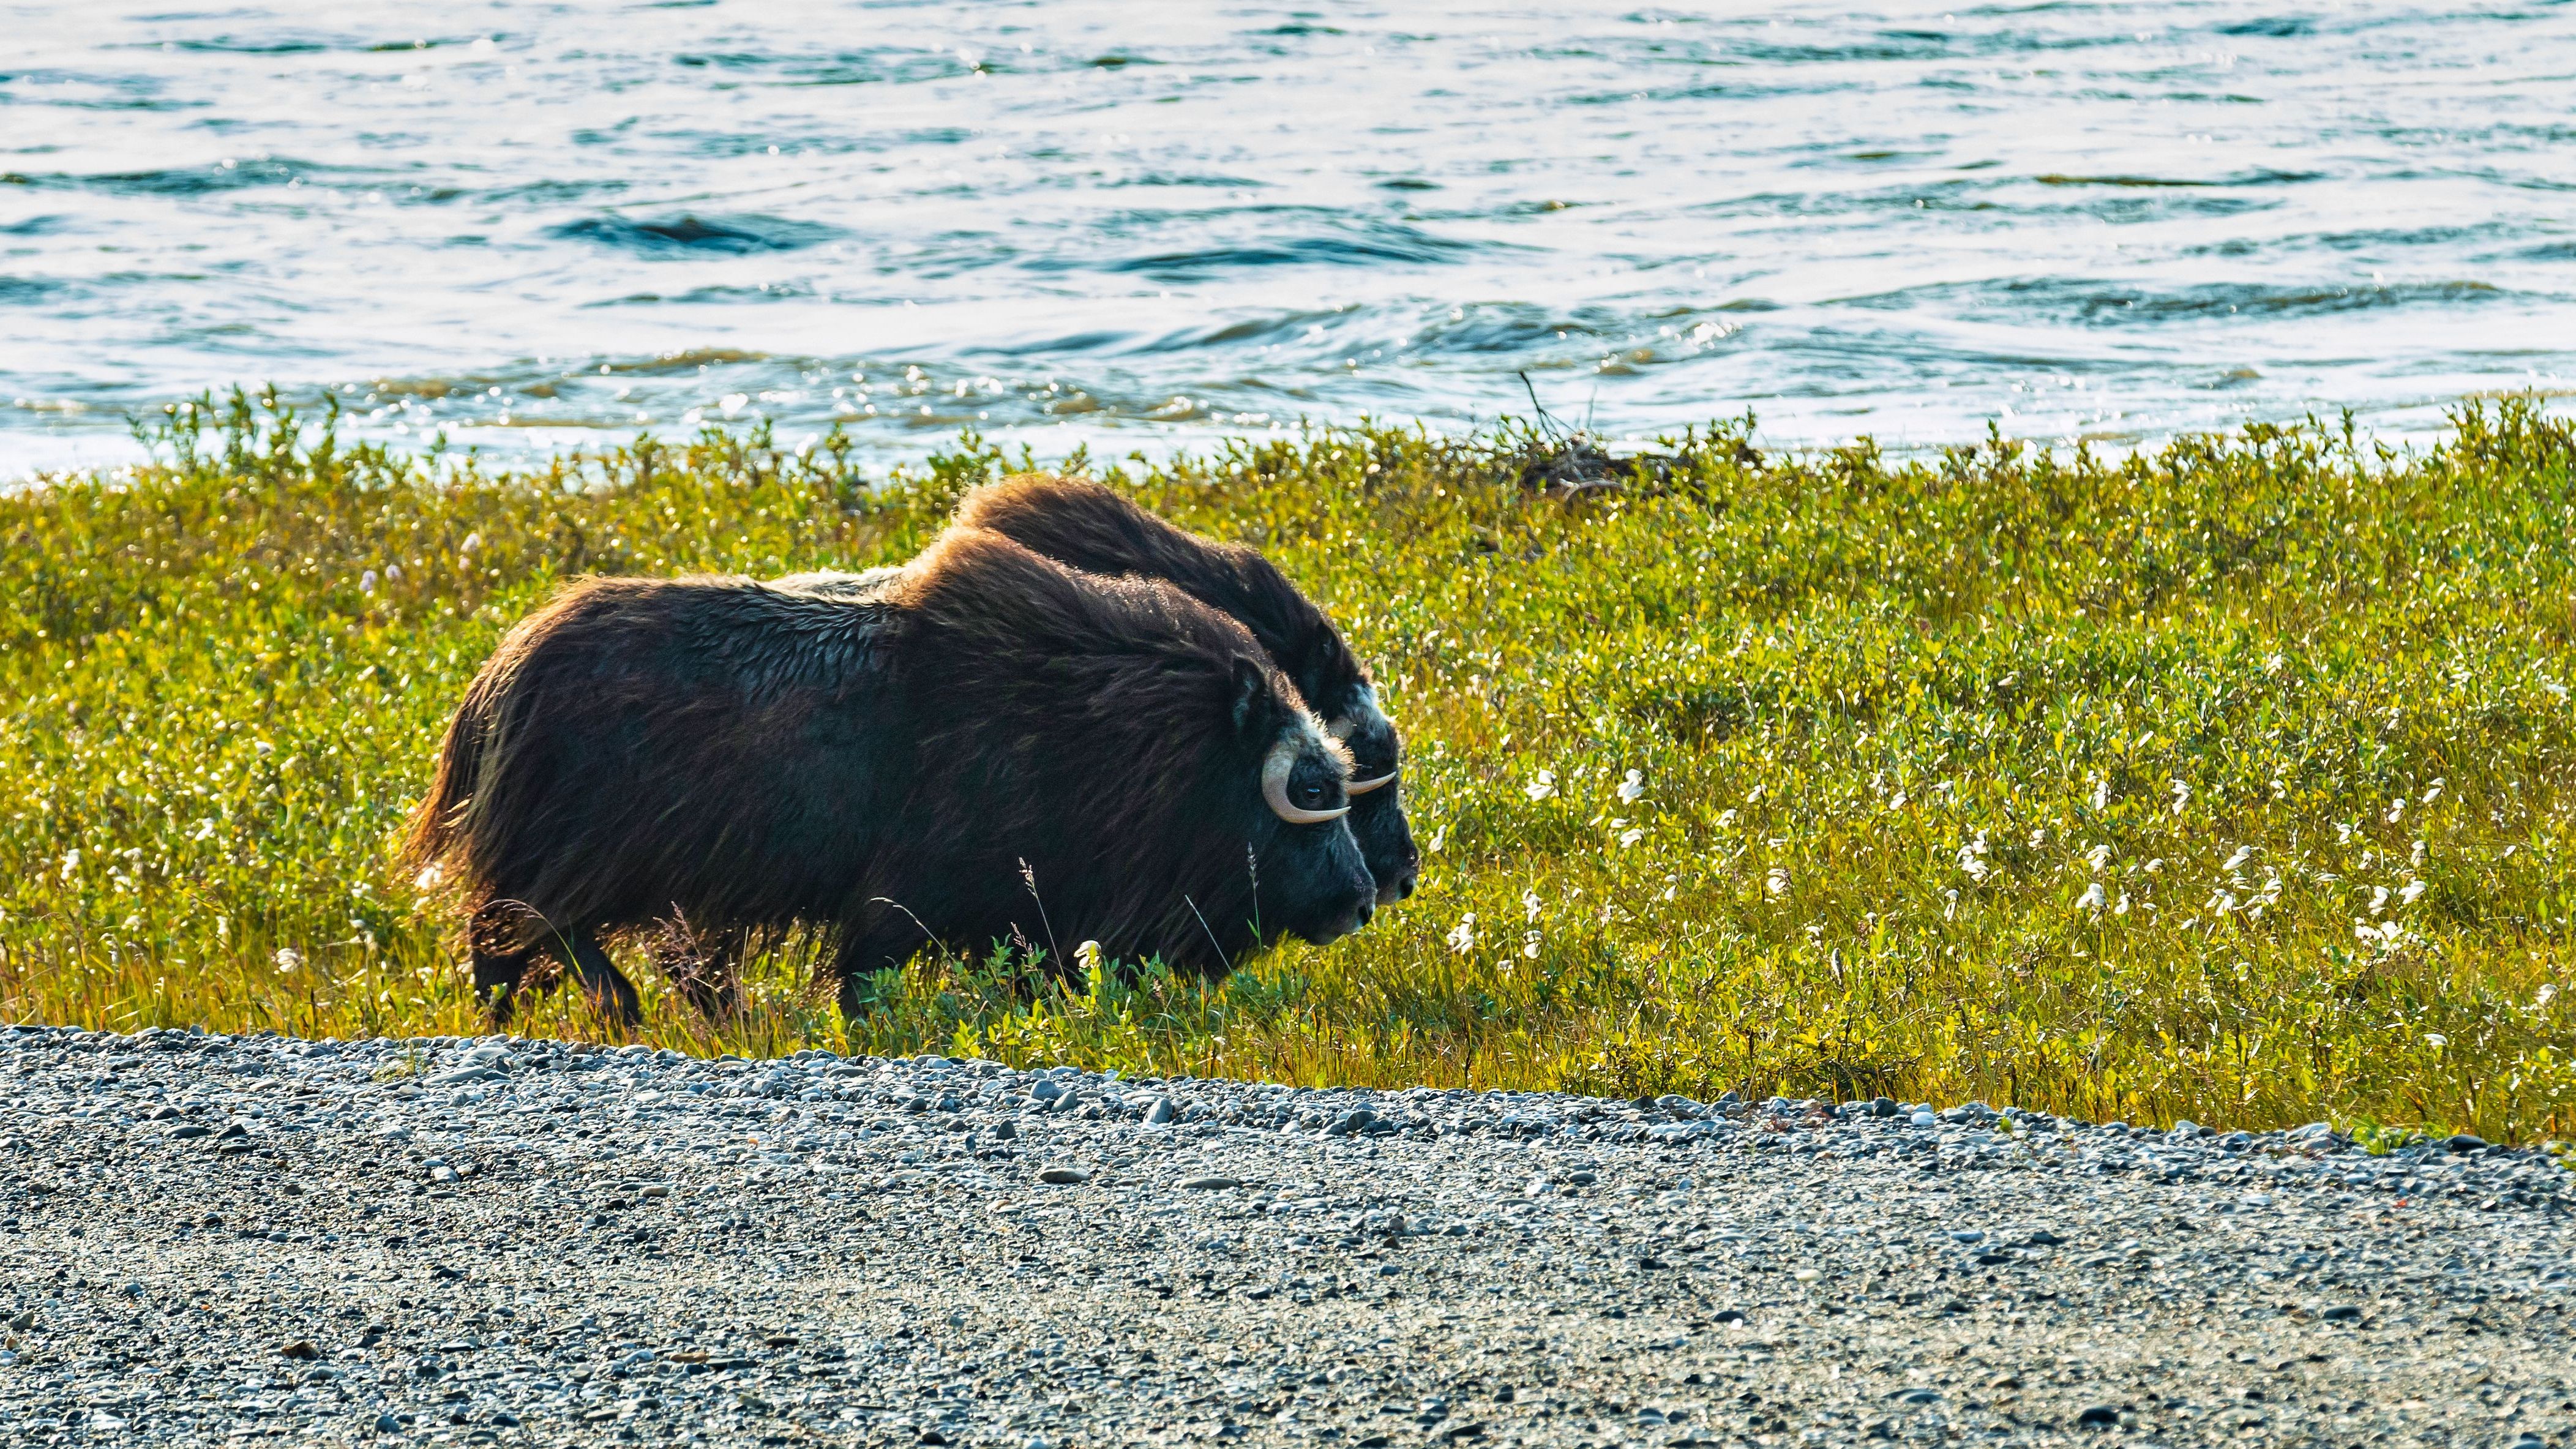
1310,797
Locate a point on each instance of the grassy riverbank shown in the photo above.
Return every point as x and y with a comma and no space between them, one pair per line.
2229,782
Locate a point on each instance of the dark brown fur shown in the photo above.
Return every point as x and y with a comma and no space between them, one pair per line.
1094,528
885,760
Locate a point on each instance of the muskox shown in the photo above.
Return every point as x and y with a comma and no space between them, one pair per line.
982,746
1081,523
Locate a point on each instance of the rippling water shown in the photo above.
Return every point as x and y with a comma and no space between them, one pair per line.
1133,225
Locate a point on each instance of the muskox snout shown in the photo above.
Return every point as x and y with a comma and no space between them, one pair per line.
1399,885
1350,922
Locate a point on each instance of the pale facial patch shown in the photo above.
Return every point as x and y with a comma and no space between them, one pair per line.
1362,717
1322,739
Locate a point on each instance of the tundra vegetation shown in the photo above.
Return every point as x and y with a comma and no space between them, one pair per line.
2227,781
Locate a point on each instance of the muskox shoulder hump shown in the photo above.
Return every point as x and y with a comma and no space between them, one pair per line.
1097,529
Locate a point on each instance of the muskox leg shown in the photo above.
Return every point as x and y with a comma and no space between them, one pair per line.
500,964
496,982
611,994
705,967
890,940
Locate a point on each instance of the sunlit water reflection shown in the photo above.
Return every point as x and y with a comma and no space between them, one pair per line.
1135,226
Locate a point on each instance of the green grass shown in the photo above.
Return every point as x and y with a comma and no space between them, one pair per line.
1891,726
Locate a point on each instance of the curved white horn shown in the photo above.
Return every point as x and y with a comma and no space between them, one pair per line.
1362,787
1274,788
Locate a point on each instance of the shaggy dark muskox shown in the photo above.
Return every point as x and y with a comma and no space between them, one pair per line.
1096,529
983,745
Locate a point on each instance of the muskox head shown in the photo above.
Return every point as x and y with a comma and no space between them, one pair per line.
1309,878
1091,527
1377,803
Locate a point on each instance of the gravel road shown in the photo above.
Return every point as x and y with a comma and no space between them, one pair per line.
499,1241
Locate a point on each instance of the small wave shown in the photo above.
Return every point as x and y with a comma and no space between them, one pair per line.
1382,245
762,292
692,360
2114,306
2099,303
190,180
688,235
558,191
226,45
2286,25
2260,177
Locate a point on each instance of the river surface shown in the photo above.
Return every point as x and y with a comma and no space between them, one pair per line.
1142,226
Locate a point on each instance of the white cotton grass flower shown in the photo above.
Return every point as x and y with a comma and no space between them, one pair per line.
289,959
1775,882
2378,899
1630,836
1541,785
367,582
2181,796
429,878
2396,809
2417,857
1463,939
2102,793
2436,1040
2098,857
2092,900
2122,908
1438,842
1726,817
1531,905
2243,854
2413,889
2435,793
2343,832
1087,956
1529,945
1972,858
71,863
1633,788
